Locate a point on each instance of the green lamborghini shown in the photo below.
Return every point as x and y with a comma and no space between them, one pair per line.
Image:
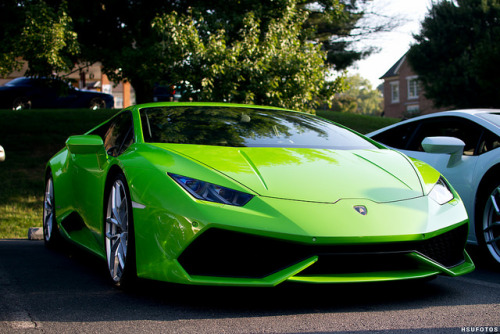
241,195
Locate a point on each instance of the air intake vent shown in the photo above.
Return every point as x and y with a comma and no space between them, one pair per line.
225,253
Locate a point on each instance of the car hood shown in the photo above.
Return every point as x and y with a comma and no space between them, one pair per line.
316,175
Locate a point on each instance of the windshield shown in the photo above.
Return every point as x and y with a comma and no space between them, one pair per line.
244,127
22,81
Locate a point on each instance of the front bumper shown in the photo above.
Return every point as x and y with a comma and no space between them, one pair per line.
224,257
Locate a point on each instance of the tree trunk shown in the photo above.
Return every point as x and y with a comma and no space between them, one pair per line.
143,90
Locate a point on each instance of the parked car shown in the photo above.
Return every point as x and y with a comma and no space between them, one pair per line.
2,154
228,194
464,145
27,93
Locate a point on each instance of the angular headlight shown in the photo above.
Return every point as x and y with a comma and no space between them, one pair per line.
211,192
441,193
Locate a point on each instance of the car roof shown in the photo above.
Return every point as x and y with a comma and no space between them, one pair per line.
471,114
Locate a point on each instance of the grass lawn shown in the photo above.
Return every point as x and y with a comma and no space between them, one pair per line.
30,138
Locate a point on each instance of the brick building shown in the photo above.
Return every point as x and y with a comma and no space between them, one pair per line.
403,95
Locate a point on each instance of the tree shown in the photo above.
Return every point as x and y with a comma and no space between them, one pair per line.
359,97
274,67
456,53
249,51
271,51
40,34
337,25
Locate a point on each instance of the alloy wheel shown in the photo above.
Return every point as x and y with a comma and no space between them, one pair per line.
48,210
117,218
491,224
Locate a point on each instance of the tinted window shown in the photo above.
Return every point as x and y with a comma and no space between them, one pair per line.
396,137
240,127
117,134
456,127
489,142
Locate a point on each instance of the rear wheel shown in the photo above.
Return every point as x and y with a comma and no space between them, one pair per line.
119,233
488,221
50,230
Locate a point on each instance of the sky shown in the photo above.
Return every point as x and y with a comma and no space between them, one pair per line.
393,44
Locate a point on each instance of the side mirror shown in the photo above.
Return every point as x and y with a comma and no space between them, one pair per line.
85,144
445,145
2,154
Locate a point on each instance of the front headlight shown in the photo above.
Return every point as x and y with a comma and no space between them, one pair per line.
211,192
441,193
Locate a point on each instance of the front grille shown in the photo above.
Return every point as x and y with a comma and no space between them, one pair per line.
225,253
446,248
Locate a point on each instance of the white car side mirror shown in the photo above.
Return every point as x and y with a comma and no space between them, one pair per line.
445,145
2,154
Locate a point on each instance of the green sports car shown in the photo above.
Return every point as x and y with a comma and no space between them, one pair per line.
241,195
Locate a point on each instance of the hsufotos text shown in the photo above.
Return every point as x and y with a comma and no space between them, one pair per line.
480,329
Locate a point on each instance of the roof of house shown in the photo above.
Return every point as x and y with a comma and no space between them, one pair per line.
393,71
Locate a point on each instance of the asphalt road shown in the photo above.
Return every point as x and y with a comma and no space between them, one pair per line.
43,291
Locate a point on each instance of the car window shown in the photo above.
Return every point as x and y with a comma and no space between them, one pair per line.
117,134
468,131
489,141
397,137
245,127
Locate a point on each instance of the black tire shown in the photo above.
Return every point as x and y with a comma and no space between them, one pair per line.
119,233
97,103
487,220
51,234
21,103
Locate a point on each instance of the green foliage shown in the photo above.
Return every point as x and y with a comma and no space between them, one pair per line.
272,67
265,52
29,140
456,53
360,123
44,38
359,97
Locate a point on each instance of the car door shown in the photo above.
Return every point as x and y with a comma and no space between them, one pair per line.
90,170
51,93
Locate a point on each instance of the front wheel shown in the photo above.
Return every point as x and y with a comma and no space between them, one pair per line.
97,103
21,103
488,221
119,233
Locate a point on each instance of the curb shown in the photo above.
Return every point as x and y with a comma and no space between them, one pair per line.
35,233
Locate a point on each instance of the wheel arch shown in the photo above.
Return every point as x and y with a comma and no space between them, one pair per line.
487,177
113,171
116,172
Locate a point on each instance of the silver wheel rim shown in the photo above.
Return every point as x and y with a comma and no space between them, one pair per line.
117,230
48,210
491,224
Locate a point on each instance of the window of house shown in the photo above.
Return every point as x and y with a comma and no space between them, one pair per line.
394,91
412,110
412,87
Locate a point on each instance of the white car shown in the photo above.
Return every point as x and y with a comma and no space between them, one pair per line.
464,145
